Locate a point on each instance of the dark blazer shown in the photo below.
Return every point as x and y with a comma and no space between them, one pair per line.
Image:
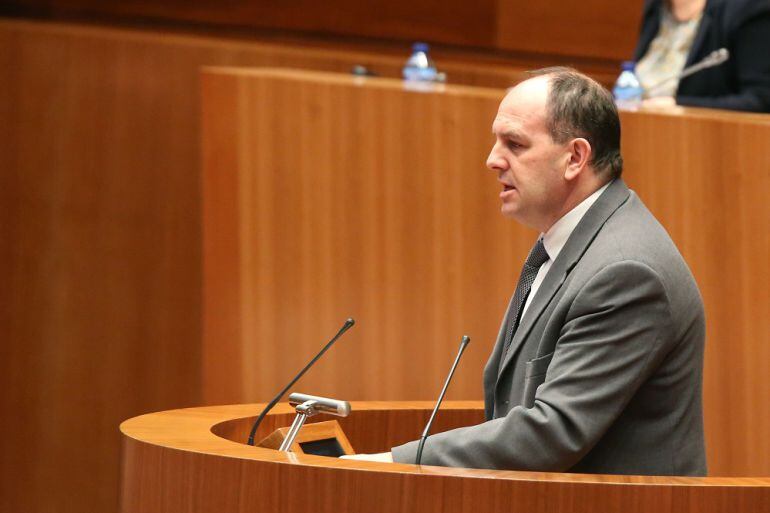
604,373
741,26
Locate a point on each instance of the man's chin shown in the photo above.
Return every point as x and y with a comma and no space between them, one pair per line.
515,214
509,211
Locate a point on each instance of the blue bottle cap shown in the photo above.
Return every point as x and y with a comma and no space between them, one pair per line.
420,47
628,65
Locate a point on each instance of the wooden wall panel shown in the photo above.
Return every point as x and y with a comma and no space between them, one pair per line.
598,30
325,199
100,258
364,199
442,21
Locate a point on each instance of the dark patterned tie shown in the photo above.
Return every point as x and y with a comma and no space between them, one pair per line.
537,257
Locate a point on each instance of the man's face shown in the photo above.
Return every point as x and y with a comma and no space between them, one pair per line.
528,163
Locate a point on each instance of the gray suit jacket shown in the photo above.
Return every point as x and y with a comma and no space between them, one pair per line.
604,373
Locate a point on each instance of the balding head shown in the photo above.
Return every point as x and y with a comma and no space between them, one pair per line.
578,106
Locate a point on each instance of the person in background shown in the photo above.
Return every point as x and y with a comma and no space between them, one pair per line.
677,33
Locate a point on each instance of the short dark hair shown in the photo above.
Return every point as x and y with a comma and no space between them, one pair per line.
578,106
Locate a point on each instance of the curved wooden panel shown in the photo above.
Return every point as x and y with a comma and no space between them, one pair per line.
186,460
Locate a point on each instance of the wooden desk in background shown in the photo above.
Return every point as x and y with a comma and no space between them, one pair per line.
327,197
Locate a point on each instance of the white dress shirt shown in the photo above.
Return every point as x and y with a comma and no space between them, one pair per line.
555,239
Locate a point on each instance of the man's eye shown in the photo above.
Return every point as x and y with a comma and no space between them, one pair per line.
513,144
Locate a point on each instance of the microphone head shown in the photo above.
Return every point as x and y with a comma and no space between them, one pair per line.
465,341
350,321
322,404
724,54
719,56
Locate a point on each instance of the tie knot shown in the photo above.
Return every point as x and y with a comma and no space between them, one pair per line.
537,255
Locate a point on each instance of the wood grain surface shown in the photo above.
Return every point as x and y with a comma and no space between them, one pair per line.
194,460
598,30
326,197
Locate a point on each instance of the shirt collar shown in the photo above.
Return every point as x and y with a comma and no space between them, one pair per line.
558,234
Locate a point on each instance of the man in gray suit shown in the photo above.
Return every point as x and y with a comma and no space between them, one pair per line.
598,364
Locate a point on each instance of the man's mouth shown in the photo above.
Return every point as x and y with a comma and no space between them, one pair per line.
507,190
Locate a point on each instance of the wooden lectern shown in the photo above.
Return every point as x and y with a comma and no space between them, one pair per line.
196,461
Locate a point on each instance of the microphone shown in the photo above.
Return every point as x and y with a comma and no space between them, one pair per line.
322,404
715,58
345,327
463,344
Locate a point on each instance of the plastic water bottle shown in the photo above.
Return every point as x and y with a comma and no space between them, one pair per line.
420,67
628,91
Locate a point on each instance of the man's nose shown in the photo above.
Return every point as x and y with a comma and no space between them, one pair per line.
494,161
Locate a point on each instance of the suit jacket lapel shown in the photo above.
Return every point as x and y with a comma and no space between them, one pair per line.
614,196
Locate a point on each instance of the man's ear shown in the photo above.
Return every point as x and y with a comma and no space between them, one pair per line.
580,153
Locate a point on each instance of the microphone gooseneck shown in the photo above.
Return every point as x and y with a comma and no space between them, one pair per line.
463,344
345,327
715,58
